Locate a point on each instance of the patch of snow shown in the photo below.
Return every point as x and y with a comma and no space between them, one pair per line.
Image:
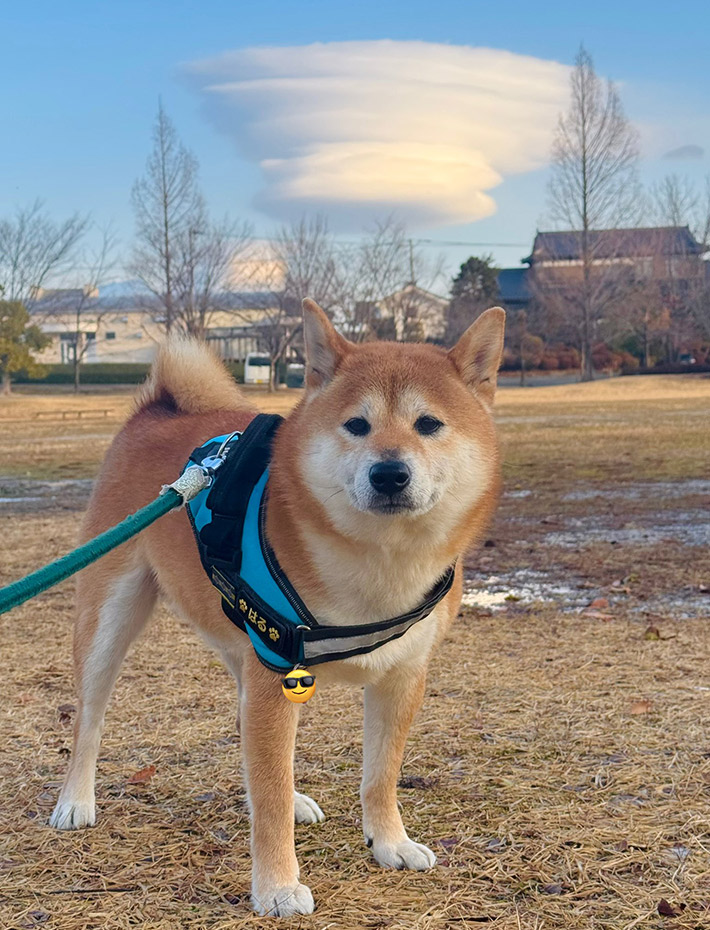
525,587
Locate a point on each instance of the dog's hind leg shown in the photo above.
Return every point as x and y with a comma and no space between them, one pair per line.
113,606
390,706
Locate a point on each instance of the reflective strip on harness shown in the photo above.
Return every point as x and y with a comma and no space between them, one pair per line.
343,646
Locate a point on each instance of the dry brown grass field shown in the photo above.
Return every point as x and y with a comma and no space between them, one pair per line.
560,767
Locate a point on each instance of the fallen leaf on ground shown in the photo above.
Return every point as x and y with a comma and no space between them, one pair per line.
449,842
142,777
417,781
641,707
34,918
665,909
597,615
65,712
599,603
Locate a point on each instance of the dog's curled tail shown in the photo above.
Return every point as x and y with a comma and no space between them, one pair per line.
187,377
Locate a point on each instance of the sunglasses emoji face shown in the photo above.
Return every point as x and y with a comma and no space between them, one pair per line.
299,685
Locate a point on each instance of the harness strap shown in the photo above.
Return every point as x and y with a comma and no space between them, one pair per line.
317,644
288,640
228,499
326,644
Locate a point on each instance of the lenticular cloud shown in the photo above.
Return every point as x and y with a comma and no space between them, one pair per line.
356,129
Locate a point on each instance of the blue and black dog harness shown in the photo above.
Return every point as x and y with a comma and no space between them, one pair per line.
229,522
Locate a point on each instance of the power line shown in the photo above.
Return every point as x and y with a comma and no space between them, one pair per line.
353,243
477,245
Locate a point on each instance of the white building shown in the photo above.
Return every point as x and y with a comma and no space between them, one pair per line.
128,331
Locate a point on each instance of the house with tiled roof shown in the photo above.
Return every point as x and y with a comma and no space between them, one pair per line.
656,253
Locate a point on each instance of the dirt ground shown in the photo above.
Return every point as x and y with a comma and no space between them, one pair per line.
560,767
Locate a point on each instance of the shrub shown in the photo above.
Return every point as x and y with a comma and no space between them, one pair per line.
602,357
568,358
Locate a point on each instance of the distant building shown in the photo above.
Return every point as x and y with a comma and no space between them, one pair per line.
126,330
415,313
654,253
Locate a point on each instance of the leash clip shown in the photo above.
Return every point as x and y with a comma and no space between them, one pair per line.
211,463
221,452
198,478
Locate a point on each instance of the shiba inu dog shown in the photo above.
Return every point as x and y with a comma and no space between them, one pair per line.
381,477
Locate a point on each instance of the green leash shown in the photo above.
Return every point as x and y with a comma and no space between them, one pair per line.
193,480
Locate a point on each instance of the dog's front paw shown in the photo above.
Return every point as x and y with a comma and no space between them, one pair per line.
284,901
73,815
306,810
405,854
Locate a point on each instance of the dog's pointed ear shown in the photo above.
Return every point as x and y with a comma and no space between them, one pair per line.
325,347
478,353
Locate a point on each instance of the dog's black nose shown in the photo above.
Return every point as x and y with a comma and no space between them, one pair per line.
390,477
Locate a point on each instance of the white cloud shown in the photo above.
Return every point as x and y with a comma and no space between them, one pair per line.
358,129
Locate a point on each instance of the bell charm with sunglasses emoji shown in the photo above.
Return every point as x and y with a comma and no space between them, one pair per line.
299,685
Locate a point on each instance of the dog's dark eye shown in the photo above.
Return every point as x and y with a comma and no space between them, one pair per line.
358,426
425,425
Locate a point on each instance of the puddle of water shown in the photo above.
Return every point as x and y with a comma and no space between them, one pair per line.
18,500
658,490
42,487
67,437
687,528
688,606
18,491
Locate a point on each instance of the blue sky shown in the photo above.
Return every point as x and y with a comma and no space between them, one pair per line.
81,83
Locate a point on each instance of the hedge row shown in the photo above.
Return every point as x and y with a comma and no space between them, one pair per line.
671,369
104,373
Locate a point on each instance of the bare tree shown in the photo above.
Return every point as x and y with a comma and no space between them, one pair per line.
180,256
683,293
303,263
34,248
593,186
383,281
205,272
676,201
167,206
76,311
85,301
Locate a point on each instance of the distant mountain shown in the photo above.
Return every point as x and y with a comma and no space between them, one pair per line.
117,289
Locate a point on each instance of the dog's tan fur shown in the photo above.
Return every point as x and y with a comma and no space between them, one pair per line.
349,563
